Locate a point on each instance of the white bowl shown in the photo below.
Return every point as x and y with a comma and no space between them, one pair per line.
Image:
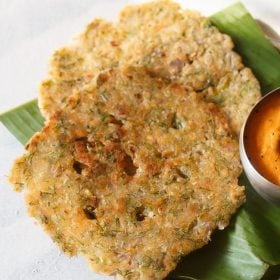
267,189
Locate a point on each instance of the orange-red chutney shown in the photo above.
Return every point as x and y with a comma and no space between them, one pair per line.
262,138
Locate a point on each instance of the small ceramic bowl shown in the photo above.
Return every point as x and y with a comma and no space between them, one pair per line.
263,186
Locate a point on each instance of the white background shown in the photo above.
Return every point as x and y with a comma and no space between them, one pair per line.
30,31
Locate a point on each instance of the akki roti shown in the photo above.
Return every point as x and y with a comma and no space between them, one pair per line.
177,45
133,174
138,163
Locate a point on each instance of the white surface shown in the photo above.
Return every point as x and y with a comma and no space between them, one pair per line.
30,31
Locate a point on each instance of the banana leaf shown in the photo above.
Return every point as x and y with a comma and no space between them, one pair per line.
250,247
257,52
23,121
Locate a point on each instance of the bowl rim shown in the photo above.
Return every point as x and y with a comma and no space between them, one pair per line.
242,149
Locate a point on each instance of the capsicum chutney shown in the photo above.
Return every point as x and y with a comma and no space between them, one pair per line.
262,138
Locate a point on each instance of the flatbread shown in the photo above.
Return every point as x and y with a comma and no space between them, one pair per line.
133,174
177,45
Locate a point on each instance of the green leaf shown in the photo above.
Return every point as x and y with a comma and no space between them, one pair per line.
257,52
261,220
249,249
23,121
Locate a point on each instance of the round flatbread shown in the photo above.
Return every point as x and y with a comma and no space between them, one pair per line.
133,174
177,45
